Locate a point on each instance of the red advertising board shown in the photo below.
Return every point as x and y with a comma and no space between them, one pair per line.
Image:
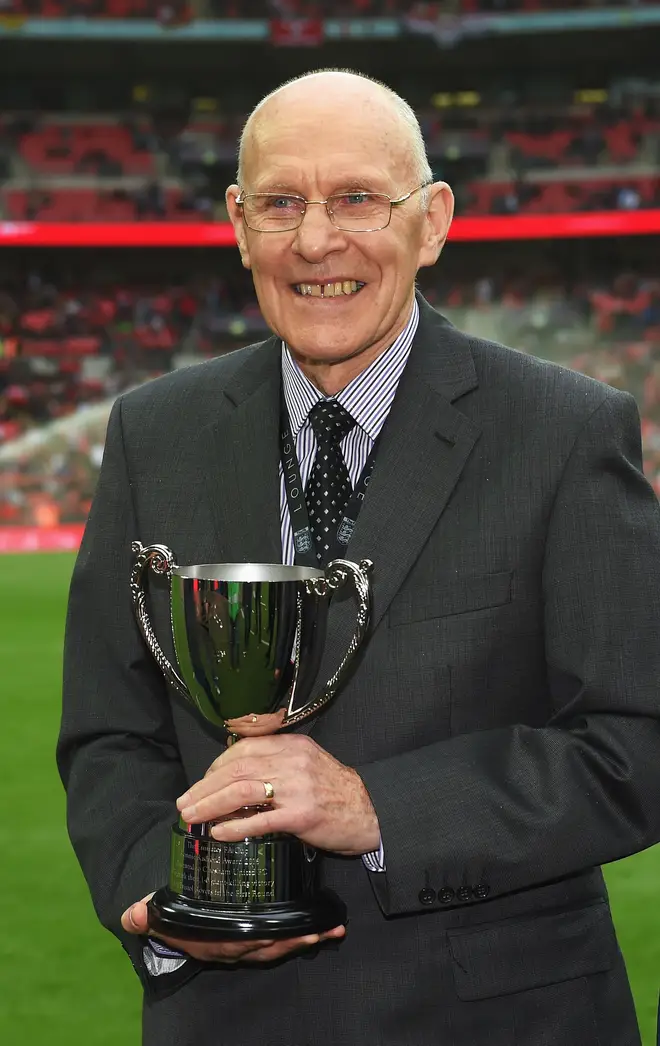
41,539
221,234
296,32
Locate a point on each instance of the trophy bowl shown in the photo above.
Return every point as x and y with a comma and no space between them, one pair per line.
248,638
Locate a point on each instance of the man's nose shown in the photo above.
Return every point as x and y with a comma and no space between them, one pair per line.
316,234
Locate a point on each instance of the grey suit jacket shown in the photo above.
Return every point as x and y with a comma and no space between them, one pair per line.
504,714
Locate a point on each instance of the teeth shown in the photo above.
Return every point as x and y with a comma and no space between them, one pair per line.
329,290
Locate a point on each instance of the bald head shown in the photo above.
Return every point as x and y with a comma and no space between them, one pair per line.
328,96
328,218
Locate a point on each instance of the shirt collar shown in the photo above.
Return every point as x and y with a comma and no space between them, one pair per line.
368,397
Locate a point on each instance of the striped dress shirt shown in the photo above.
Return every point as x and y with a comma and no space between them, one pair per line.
368,399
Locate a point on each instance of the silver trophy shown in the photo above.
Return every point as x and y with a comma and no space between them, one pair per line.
249,638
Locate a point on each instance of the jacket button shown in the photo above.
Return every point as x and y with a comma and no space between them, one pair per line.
427,896
464,893
481,891
445,895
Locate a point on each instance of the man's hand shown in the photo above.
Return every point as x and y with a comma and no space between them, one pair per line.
134,920
316,798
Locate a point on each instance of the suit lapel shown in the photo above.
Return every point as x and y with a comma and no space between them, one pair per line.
242,446
424,446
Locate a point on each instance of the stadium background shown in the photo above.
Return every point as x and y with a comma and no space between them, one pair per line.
118,124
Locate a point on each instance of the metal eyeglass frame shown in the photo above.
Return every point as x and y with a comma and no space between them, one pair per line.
334,196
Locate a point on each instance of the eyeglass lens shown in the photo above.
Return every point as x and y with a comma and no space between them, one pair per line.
351,212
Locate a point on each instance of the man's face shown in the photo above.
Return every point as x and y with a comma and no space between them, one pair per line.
316,150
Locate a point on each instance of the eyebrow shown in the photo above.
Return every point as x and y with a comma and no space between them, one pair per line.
277,187
342,185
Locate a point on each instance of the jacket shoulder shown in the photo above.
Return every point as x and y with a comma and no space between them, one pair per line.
197,382
539,383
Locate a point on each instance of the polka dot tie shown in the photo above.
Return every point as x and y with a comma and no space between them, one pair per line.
329,485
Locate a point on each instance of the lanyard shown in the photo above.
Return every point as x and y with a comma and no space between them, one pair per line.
303,540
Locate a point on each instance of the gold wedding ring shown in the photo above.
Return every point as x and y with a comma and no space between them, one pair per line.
269,790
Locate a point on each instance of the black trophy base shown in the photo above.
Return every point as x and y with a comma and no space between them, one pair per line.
172,915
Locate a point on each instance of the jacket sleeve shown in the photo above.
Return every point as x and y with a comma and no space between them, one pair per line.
510,808
117,751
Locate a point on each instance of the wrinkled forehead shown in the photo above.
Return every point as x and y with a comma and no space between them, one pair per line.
289,174
331,148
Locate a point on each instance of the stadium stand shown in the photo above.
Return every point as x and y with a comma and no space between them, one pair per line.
180,10
62,348
503,155
70,342
65,348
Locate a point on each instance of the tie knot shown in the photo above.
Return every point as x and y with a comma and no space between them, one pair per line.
330,421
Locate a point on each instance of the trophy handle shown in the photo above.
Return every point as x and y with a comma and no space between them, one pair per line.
161,560
337,573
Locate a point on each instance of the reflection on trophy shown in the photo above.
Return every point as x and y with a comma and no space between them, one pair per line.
248,638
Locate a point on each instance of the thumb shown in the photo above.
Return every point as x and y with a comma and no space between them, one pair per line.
135,919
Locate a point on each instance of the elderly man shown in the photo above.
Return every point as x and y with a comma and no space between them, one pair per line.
499,738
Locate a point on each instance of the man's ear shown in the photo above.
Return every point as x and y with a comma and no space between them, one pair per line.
437,221
236,219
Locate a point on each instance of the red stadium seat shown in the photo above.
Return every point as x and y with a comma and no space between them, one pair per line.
39,320
68,148
82,346
41,347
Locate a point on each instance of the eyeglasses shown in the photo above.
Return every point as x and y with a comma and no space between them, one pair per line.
350,212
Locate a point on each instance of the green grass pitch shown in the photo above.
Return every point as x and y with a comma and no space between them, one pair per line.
64,980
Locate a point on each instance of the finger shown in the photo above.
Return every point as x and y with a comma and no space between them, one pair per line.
262,823
215,779
253,747
231,765
279,949
334,934
226,801
257,725
232,952
135,919
227,951
258,767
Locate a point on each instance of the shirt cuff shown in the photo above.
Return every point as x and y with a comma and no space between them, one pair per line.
375,861
160,959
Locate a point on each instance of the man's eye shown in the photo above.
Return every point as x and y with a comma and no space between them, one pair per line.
282,203
354,199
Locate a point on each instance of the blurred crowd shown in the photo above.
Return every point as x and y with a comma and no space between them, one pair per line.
63,351
182,11
512,157
166,11
608,329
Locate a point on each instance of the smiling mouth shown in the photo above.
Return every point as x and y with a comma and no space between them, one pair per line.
336,289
